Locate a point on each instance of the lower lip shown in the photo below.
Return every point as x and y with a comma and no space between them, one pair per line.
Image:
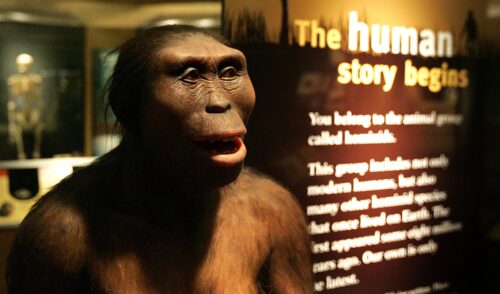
231,159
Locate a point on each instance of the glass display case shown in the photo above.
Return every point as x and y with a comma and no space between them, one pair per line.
41,88
41,107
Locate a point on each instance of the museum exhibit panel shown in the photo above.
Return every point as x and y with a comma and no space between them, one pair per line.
381,117
369,112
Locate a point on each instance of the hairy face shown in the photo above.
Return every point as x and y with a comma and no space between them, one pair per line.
200,100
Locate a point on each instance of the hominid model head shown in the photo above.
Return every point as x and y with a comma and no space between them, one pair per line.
187,96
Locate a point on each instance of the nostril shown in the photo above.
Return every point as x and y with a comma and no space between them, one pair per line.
218,107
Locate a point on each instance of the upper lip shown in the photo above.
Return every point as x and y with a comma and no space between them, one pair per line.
220,136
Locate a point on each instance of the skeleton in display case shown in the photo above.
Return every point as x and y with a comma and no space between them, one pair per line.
25,106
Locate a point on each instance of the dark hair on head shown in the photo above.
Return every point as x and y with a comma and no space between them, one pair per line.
129,83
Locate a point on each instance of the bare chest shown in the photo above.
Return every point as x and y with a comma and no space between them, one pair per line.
227,257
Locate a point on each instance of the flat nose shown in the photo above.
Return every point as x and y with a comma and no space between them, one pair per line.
217,103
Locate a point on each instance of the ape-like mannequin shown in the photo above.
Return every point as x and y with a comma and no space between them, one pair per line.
171,210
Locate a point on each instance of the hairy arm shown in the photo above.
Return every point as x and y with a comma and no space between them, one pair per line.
289,262
288,267
49,252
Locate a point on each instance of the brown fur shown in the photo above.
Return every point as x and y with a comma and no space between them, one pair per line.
76,241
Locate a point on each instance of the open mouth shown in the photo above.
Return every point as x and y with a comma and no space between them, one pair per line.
221,145
224,150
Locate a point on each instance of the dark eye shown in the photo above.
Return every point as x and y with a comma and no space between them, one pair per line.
228,73
190,75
